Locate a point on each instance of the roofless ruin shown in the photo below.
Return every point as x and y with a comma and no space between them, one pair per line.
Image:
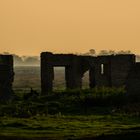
108,71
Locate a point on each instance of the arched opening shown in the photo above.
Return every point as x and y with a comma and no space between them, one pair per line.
85,80
59,82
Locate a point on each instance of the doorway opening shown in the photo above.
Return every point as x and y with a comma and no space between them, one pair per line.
59,82
85,80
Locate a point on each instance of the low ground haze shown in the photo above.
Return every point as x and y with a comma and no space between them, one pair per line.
27,77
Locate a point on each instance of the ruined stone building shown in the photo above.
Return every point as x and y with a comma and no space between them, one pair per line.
6,76
110,71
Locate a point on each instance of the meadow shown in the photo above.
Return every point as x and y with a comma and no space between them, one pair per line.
100,113
29,76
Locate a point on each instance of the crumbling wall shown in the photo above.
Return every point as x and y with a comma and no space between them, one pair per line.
6,76
103,71
113,70
120,68
133,81
75,67
107,71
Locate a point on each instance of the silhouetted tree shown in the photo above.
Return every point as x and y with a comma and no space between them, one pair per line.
31,60
103,52
138,58
92,52
124,52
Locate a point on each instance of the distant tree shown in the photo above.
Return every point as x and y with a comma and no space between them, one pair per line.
17,60
92,52
111,52
124,52
103,52
6,53
31,60
138,58
107,52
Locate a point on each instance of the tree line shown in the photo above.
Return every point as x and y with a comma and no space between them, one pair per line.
93,52
35,60
24,60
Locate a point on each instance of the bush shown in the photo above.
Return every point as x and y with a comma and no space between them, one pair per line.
71,101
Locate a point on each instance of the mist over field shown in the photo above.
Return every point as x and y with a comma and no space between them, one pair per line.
27,70
27,77
35,60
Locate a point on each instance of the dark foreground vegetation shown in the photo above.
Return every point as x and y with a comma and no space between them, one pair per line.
101,113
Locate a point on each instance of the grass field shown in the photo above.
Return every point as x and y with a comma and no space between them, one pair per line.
29,76
100,113
69,127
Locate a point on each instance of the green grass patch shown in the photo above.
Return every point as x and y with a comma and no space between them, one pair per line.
74,127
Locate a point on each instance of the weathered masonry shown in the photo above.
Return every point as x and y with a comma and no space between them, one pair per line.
133,81
6,76
108,71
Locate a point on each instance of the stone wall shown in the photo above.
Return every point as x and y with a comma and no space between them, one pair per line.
75,67
103,70
133,81
6,76
110,71
113,70
120,68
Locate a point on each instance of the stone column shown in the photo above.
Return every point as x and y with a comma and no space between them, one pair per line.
6,76
73,75
47,73
73,80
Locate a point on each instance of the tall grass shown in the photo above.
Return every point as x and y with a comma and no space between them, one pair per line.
67,102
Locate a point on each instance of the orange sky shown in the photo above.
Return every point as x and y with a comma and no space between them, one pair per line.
28,27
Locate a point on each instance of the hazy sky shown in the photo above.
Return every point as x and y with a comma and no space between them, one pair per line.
28,27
